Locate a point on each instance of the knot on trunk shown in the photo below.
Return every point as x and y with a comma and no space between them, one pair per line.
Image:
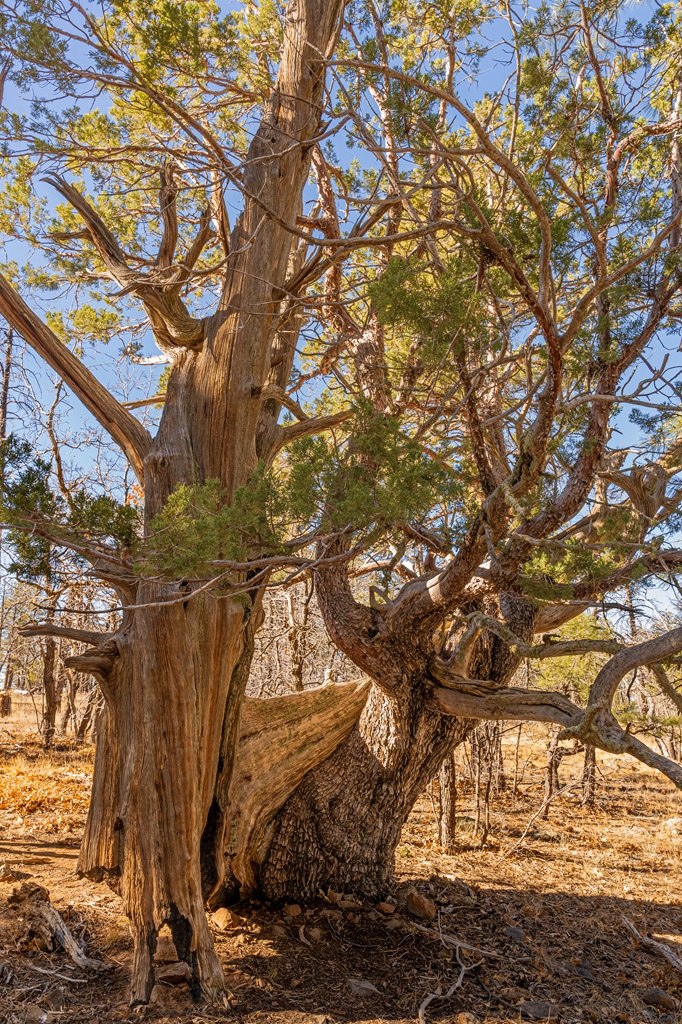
97,661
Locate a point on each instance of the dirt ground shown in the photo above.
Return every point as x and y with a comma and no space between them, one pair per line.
542,904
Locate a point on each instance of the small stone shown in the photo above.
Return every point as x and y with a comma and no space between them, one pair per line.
279,932
539,1010
55,997
657,997
224,919
421,906
174,974
361,988
171,997
347,904
582,971
315,934
292,909
386,908
373,916
394,923
35,1014
515,934
466,1018
332,915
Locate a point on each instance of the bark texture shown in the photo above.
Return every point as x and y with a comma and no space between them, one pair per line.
341,826
447,825
280,740
50,691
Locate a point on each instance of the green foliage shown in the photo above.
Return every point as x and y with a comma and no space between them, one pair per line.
376,479
39,518
26,497
197,526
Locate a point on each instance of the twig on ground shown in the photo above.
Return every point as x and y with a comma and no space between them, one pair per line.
463,969
659,947
56,974
448,939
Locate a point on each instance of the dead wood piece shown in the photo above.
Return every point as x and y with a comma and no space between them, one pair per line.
303,728
659,947
42,921
450,940
450,992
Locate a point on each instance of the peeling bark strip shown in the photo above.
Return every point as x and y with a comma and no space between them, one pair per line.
304,729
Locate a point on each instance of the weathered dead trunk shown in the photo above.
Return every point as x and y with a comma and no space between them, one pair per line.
156,766
304,728
341,826
174,675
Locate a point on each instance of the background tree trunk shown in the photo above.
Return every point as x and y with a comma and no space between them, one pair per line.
589,776
447,825
50,691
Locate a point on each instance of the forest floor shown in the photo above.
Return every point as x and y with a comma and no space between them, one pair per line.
544,901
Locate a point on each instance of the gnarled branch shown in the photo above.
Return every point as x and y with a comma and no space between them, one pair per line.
159,292
311,426
602,730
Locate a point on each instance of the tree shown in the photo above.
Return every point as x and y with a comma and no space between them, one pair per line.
467,333
173,675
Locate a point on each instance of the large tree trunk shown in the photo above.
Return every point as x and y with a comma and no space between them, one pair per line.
174,675
153,820
341,826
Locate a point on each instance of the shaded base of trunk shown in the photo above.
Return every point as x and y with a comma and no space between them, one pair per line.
341,826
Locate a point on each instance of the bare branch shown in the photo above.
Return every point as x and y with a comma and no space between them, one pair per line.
661,677
311,426
168,203
601,731
647,653
128,432
85,636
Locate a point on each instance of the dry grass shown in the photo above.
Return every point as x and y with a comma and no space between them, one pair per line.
565,886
